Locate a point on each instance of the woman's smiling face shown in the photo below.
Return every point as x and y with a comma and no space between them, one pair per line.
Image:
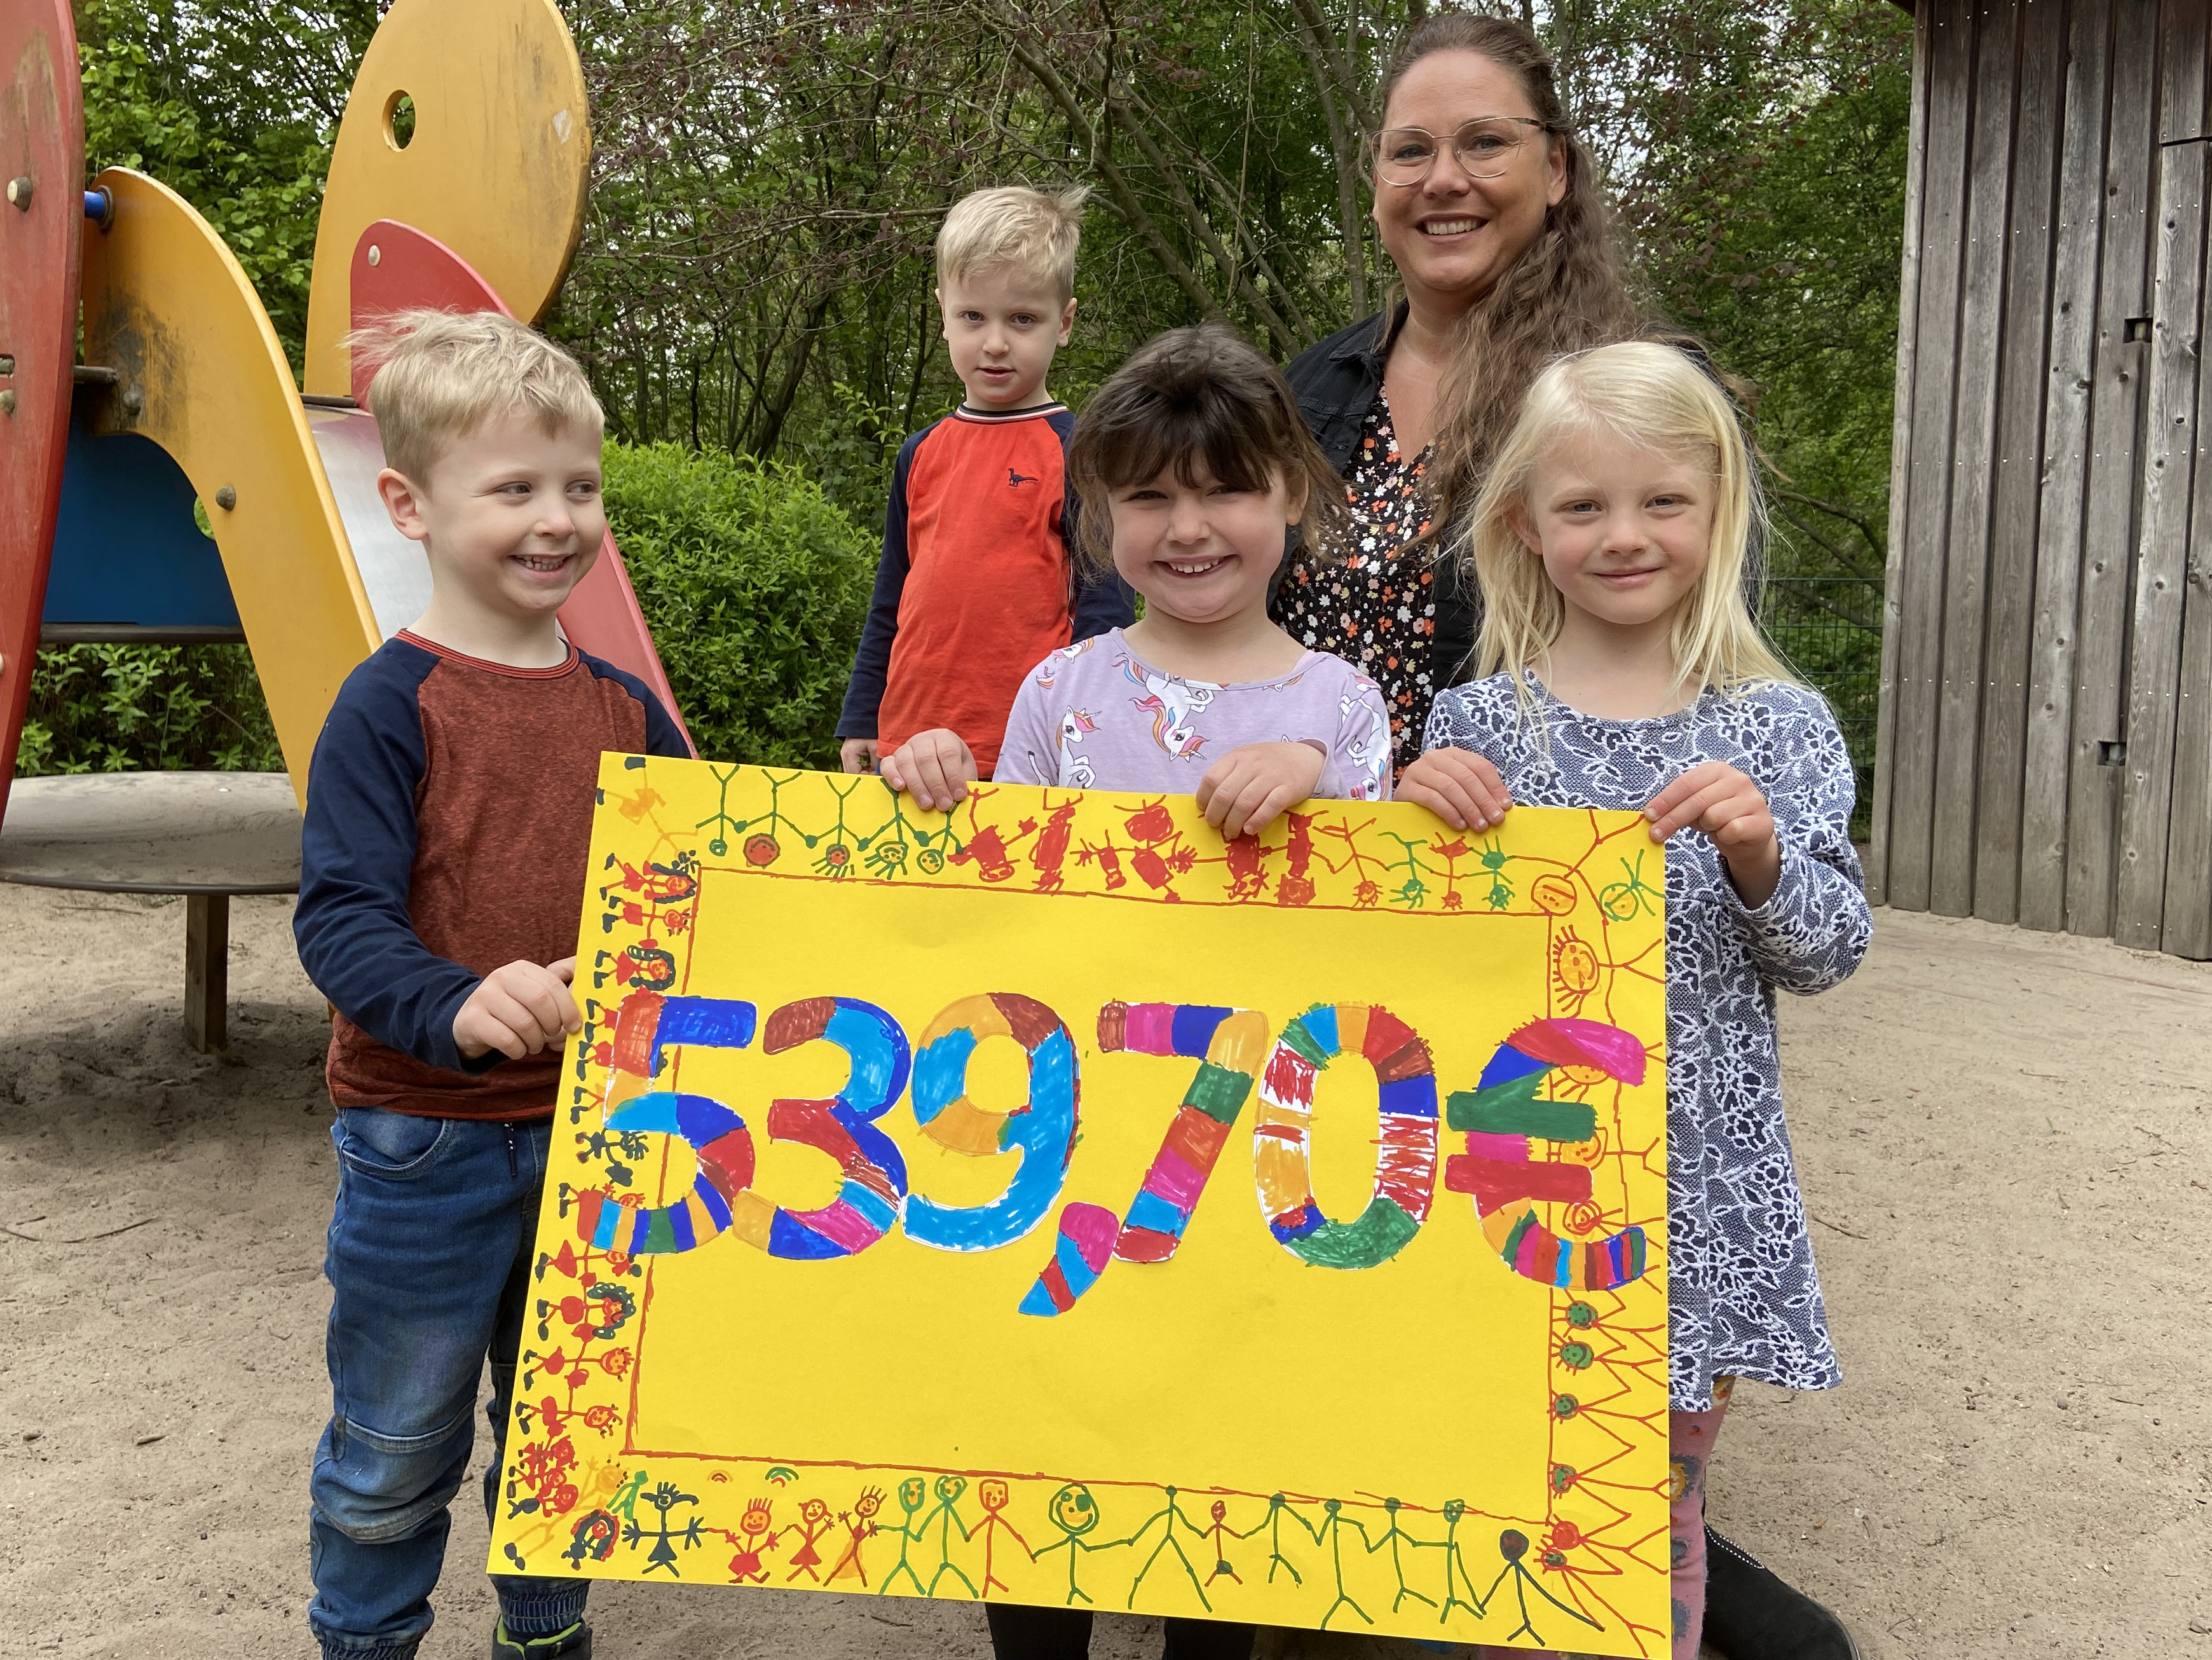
1453,236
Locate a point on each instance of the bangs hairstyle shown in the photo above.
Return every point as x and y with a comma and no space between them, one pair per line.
1014,227
1201,400
1654,396
441,374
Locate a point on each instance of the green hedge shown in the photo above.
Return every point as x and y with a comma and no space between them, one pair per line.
131,708
754,583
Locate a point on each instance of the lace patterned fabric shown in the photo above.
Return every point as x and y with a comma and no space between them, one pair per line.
1743,1295
1374,606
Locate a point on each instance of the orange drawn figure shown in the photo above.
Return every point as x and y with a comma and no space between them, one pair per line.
1215,1534
813,1522
994,1495
757,1537
1247,872
1158,857
1297,887
1049,856
860,1522
987,851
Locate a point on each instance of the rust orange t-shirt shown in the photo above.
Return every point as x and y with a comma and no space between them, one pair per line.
448,823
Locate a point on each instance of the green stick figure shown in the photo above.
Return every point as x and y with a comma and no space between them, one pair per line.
1454,1564
1513,1545
949,1489
1391,1535
910,1493
1333,1528
1074,1512
1622,900
1278,1508
1169,1517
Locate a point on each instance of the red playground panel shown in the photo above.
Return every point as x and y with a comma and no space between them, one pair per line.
41,232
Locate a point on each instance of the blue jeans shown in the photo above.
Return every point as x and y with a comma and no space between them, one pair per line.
429,1264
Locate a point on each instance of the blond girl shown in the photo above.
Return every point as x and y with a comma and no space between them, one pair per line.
1620,668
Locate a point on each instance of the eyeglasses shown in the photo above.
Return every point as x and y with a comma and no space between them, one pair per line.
1484,147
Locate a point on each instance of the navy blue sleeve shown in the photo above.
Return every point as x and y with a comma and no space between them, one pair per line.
872,662
662,735
1097,601
356,937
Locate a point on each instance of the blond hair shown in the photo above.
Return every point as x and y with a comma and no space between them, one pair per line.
442,374
1653,396
1014,226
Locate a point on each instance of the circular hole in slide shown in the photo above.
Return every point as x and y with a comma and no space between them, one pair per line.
399,121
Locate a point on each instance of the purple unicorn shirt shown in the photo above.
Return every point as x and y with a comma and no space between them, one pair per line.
1095,715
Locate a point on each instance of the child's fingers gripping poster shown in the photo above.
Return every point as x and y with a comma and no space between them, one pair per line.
1048,1201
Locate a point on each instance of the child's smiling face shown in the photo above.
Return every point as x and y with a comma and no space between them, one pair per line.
1624,531
1202,551
510,515
1001,328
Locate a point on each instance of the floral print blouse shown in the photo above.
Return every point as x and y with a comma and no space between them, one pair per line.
1743,1299
1376,606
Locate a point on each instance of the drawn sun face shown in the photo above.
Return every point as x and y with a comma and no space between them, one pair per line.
1073,1510
1574,965
1554,895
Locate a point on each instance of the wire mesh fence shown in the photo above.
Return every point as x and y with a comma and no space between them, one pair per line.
1829,628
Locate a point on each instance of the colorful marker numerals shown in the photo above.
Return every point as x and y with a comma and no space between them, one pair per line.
1234,1057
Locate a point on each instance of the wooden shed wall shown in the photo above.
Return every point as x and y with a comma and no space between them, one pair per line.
2045,750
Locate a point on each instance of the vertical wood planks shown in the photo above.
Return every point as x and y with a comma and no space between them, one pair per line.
1917,597
2108,519
2168,469
1973,441
2186,928
2009,590
2048,746
1900,464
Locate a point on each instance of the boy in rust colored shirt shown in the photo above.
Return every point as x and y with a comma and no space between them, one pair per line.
448,821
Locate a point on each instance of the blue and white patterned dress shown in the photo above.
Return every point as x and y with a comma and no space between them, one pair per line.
1744,1299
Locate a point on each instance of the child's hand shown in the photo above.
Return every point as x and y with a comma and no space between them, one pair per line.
1724,803
934,766
1243,792
519,1010
1460,787
857,755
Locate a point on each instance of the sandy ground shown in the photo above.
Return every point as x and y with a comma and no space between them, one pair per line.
2003,1136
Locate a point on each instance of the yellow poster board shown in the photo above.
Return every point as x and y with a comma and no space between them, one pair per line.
1047,1202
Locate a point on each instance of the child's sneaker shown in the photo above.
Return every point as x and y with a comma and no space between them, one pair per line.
574,1644
1752,1613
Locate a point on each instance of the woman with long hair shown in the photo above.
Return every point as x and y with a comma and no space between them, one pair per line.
1488,205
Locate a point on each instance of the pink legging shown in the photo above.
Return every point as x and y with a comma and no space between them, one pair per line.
1690,1438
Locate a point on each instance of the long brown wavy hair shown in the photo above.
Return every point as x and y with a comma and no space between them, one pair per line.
1565,293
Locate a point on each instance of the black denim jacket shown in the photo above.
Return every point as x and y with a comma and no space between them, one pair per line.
1336,382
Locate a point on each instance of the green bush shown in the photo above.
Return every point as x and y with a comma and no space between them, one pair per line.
754,585
125,709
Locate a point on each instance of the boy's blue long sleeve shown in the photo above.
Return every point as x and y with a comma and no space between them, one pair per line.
871,660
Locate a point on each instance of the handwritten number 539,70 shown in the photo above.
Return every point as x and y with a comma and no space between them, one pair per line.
1503,1119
